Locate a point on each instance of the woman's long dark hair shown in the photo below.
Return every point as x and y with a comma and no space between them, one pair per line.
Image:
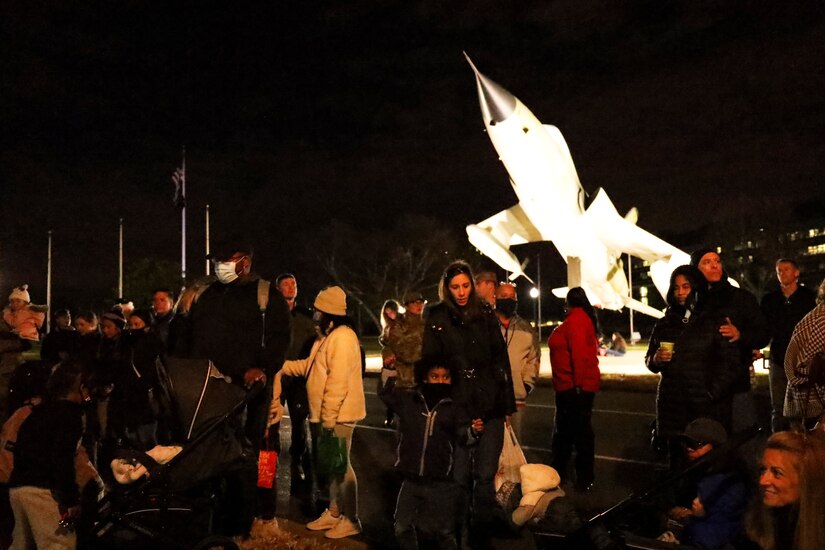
698,285
576,297
335,321
459,267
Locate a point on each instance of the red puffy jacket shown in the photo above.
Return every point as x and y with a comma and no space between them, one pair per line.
574,353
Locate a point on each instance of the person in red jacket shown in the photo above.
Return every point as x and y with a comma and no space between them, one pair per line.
575,365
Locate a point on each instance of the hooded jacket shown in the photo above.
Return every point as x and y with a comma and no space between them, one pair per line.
428,434
474,351
699,380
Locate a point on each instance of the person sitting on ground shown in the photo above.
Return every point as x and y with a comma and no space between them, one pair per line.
717,509
789,513
43,488
430,424
618,345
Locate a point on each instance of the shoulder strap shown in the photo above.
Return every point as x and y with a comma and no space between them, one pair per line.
198,291
263,294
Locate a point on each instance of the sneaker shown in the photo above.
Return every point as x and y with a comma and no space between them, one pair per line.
344,528
326,521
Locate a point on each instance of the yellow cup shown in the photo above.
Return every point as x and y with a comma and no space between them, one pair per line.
667,346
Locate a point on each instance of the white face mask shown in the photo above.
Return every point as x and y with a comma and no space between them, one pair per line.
225,271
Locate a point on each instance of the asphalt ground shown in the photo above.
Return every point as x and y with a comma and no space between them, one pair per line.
625,462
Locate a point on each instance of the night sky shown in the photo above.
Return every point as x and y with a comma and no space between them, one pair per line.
295,113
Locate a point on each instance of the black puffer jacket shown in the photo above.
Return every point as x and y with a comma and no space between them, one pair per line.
743,310
476,354
699,380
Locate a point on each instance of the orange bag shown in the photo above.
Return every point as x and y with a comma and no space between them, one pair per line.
267,468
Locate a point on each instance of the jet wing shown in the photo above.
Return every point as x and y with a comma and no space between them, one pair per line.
511,227
621,235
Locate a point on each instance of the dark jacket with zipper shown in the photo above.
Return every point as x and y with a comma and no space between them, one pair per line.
700,379
474,351
428,434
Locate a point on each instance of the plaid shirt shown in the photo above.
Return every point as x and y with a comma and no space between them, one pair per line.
804,399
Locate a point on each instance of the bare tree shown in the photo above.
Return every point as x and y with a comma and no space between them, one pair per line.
372,266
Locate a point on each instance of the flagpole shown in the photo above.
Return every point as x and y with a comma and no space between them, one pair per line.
120,260
49,284
183,221
630,289
207,240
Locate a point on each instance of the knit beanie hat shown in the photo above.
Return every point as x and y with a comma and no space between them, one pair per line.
332,300
115,316
696,256
21,292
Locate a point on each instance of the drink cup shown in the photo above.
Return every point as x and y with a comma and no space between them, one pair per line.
666,346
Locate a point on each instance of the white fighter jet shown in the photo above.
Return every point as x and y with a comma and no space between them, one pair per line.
590,237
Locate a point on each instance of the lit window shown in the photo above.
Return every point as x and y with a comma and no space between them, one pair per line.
816,249
643,293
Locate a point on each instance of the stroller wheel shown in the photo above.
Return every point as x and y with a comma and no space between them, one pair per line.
216,542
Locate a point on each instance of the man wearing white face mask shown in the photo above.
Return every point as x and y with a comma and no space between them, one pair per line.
244,329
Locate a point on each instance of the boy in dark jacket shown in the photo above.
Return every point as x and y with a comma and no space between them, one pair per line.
430,425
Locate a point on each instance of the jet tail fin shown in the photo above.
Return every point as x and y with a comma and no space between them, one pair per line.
514,276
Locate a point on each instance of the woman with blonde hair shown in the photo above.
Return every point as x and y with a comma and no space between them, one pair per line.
789,513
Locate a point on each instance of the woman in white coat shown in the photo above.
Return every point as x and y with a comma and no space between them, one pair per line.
335,392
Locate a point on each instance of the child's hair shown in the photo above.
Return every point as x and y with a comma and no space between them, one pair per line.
424,375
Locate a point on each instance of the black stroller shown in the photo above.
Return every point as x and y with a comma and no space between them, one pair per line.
176,504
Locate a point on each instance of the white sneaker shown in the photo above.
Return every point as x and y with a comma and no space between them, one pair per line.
326,521
344,528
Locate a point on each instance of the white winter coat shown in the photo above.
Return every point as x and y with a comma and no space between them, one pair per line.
335,388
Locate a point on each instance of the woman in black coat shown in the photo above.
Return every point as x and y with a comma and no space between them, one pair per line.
463,334
699,369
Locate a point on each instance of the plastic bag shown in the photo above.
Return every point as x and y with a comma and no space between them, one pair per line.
332,454
511,459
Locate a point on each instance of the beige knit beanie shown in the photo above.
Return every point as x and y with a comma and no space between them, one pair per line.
332,300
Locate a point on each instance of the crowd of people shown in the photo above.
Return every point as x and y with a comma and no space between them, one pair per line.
456,377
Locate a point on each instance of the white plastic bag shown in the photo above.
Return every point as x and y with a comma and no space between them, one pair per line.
511,459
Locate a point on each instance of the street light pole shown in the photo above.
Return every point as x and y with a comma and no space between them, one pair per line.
538,286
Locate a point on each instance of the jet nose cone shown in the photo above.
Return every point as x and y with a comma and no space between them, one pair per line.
497,104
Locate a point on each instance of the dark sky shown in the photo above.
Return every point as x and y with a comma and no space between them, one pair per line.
294,113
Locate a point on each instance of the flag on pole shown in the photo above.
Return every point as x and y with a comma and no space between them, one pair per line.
179,200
